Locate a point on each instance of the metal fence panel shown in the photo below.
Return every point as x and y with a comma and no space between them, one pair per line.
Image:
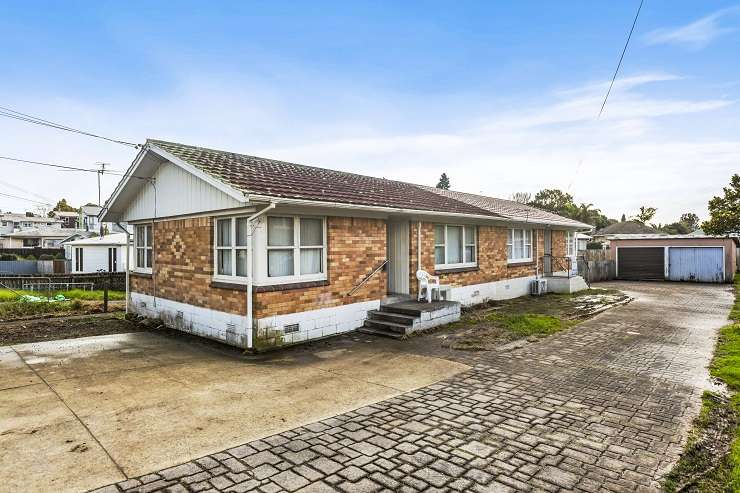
18,267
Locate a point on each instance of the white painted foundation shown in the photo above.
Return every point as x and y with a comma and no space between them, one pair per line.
315,324
221,326
497,290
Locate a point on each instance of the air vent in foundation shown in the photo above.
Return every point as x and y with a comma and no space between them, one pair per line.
289,329
230,327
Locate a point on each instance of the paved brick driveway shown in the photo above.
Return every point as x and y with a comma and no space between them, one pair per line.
602,407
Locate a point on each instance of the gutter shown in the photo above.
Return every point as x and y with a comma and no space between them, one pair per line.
128,264
250,260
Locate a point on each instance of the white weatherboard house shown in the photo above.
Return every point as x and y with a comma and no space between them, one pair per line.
109,253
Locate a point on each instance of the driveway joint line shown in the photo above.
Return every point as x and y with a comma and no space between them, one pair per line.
89,432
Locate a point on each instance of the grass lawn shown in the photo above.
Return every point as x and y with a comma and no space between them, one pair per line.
529,317
7,295
711,459
79,301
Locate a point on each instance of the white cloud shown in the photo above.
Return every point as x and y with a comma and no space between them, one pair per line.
695,35
629,158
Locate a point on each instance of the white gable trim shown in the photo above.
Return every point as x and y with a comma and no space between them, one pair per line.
214,182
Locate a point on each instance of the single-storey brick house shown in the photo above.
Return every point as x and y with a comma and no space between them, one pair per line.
233,247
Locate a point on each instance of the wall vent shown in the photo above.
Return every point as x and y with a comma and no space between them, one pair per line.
230,327
142,304
289,329
179,315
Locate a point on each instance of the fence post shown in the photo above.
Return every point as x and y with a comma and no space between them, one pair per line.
105,293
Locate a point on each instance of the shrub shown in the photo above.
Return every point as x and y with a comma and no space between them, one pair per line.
59,256
30,257
46,256
8,256
594,245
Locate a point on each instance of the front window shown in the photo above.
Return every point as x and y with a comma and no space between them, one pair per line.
79,263
231,248
519,245
296,247
570,243
143,240
454,246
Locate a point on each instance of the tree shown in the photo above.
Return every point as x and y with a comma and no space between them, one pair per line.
62,206
553,200
677,228
690,220
724,212
444,182
624,218
521,197
645,214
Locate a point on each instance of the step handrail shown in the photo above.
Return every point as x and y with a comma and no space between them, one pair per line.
367,278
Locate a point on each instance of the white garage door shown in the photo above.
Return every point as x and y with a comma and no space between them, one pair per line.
696,264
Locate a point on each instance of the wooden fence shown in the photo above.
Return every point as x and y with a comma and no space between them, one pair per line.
594,266
61,281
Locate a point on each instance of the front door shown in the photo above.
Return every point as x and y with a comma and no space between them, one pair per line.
398,257
547,258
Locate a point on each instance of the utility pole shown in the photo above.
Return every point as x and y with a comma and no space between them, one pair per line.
100,173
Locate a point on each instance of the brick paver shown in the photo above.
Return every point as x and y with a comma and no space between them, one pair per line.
602,407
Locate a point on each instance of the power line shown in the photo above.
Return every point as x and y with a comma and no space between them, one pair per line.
2,194
619,65
72,168
20,189
17,115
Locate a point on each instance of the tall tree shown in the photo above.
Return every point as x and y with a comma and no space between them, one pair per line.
62,206
691,221
624,218
444,182
521,197
553,200
645,214
724,212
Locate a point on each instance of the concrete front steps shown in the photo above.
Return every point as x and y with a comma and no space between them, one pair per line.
398,320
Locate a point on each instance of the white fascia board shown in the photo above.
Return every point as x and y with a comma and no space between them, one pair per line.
214,182
394,210
122,184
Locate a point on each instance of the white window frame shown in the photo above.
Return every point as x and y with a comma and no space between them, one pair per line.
465,243
570,244
233,278
296,247
527,235
148,245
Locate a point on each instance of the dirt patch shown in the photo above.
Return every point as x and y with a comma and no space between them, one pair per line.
49,329
507,324
701,467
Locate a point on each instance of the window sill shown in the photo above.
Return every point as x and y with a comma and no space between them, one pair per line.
235,286
289,286
142,274
520,263
454,270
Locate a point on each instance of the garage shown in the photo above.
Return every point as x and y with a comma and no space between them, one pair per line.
683,258
696,264
641,263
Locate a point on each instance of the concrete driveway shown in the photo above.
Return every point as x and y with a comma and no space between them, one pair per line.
79,413
604,406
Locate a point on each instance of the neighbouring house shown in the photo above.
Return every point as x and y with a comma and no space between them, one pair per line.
244,249
108,253
622,228
69,219
37,237
697,258
11,223
582,240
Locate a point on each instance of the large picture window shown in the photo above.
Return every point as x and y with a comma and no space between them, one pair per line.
143,242
519,245
231,248
454,246
296,247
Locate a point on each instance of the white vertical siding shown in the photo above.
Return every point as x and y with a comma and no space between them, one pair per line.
177,192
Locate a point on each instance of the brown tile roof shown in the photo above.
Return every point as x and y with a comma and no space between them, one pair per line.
278,179
281,179
509,208
626,227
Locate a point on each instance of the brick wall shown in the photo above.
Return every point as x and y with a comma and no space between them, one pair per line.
356,246
183,269
492,256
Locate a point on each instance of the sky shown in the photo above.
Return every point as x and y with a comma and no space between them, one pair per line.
501,96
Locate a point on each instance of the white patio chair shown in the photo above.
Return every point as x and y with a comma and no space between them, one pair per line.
427,284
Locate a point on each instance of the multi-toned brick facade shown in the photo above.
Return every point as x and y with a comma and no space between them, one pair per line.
492,256
183,269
